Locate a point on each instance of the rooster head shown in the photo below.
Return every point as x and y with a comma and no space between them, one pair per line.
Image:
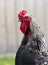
25,21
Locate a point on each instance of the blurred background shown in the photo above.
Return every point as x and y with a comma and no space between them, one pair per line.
10,34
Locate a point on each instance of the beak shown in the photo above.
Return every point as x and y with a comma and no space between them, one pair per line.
19,21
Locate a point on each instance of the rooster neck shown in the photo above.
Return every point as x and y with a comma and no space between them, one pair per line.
29,35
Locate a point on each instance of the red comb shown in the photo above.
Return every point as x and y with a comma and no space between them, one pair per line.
22,14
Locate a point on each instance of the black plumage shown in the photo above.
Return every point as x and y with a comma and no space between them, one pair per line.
26,54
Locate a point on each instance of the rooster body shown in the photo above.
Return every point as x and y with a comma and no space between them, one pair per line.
32,46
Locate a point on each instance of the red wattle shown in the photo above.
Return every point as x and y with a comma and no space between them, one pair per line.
23,27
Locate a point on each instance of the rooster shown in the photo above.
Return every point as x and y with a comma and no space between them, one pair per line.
30,49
